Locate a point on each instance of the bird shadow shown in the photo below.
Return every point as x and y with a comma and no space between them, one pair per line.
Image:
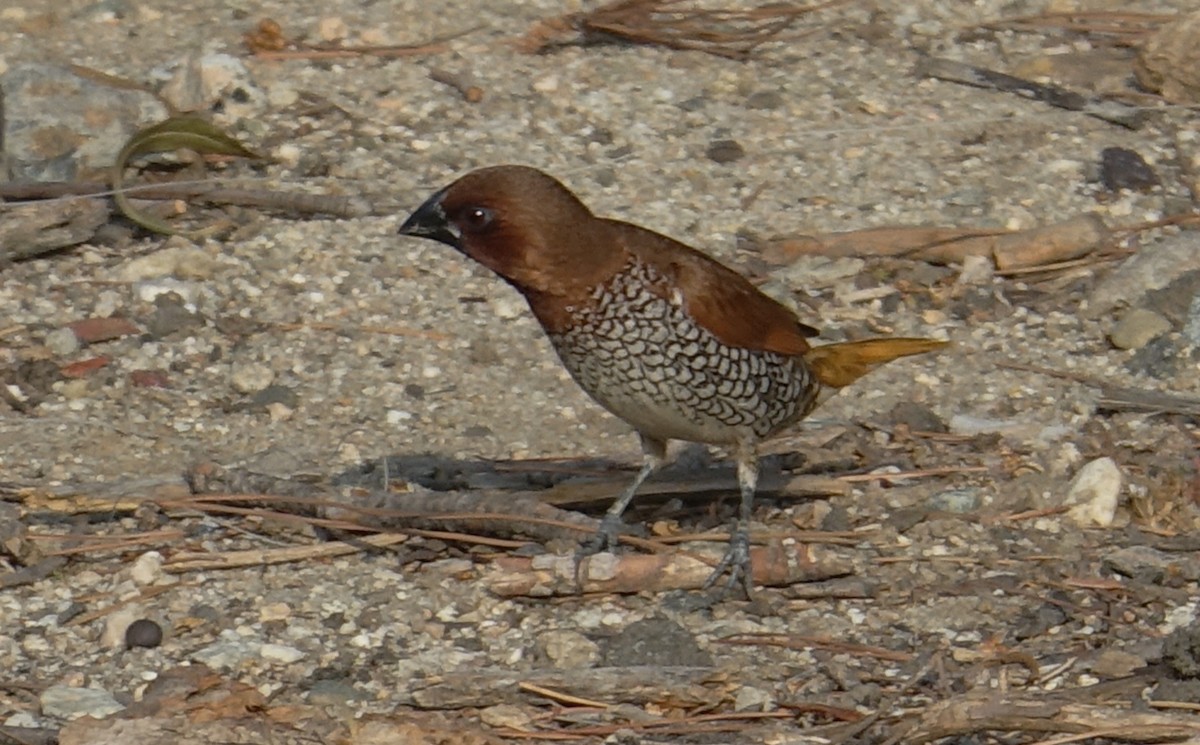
693,478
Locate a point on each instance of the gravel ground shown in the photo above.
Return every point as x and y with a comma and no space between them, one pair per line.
339,343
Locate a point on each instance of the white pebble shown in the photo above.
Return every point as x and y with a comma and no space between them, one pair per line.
1095,491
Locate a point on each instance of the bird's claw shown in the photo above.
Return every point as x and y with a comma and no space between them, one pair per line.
736,562
606,537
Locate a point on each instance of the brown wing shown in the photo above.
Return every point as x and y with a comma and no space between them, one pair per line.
718,298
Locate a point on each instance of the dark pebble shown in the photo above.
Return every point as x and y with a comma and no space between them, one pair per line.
725,151
1121,168
143,633
654,641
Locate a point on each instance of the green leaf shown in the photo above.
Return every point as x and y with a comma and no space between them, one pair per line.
186,132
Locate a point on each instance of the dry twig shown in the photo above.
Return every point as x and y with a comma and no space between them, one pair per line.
555,575
267,41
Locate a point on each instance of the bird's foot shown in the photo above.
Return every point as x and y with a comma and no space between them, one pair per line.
736,562
606,537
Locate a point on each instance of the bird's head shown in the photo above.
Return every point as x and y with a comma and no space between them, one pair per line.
522,224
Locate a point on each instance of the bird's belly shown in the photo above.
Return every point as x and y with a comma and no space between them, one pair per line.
688,386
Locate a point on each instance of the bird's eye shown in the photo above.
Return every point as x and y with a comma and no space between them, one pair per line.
477,218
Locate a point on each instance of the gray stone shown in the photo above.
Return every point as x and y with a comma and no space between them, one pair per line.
332,693
59,126
1137,327
569,650
65,702
229,652
198,82
248,378
956,500
1151,566
1191,326
62,342
655,641
1152,268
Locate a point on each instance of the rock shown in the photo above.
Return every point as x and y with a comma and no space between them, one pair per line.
749,698
332,693
655,641
59,126
1181,651
252,377
171,316
275,394
958,501
150,290
200,81
546,84
1095,492
178,258
280,653
765,100
1191,325
977,270
332,28
143,633
1154,267
725,151
917,417
65,702
62,342
514,717
1151,566
229,652
275,612
1122,168
1115,663
1169,61
1137,327
569,649
1164,358
966,424
1174,302
147,570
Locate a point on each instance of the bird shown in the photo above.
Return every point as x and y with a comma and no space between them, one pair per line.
668,339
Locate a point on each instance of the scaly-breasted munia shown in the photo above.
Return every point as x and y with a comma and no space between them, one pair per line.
671,341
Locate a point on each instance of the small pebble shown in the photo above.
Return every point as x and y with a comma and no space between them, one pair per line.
250,377
62,342
147,569
569,650
280,653
725,151
1121,168
68,702
959,501
1137,327
143,633
1095,492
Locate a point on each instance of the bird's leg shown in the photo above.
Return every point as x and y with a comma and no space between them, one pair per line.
654,451
737,557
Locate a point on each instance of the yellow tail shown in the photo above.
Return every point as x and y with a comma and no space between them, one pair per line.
839,365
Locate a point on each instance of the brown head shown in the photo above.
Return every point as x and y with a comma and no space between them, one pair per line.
522,224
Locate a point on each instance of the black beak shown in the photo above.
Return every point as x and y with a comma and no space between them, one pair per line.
429,221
